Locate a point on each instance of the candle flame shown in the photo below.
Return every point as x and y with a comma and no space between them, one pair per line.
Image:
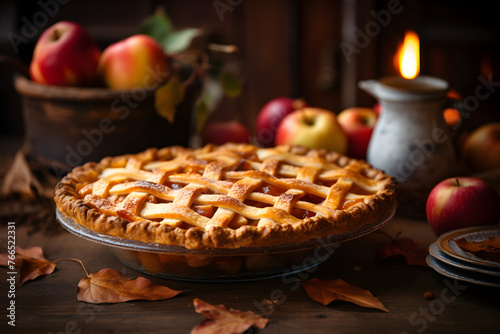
409,56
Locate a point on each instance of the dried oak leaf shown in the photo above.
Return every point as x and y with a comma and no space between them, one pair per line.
407,248
325,292
20,179
32,268
492,244
220,320
21,254
31,261
110,286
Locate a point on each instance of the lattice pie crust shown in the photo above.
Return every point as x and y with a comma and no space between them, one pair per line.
229,196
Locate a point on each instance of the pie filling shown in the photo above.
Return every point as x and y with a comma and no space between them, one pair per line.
229,187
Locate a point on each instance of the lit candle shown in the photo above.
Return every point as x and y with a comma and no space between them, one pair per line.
411,140
409,56
409,85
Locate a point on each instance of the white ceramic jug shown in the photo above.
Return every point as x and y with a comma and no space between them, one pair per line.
411,140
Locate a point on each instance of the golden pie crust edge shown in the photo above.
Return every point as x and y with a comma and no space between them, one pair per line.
69,203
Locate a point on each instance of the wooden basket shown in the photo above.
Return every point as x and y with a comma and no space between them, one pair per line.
68,126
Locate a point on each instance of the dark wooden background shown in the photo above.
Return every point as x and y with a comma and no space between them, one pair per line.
291,48
49,304
288,48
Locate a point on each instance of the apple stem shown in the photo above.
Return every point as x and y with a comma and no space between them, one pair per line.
56,35
308,119
458,183
299,104
74,260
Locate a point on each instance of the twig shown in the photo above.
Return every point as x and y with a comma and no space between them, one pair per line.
388,236
73,260
15,64
223,48
198,70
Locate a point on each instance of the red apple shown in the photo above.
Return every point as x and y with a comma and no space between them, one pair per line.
65,55
358,124
221,132
271,115
462,202
137,61
481,150
314,128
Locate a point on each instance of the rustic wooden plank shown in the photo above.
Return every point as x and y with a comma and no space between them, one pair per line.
49,303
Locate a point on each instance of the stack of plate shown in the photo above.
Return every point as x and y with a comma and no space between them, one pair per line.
448,259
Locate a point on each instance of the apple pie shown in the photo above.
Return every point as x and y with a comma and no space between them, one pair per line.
228,196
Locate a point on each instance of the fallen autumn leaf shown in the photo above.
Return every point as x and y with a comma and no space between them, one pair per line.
325,292
21,254
220,320
31,261
488,249
110,286
32,268
488,245
404,247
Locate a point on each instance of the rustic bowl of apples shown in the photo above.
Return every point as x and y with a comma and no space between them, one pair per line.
81,104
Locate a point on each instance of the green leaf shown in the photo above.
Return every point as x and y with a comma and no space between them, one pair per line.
179,40
157,26
201,112
216,66
160,27
231,84
213,93
167,97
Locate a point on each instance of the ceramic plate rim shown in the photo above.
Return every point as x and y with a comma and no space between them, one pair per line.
443,244
441,256
437,265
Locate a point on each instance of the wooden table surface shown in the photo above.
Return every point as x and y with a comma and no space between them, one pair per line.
49,304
